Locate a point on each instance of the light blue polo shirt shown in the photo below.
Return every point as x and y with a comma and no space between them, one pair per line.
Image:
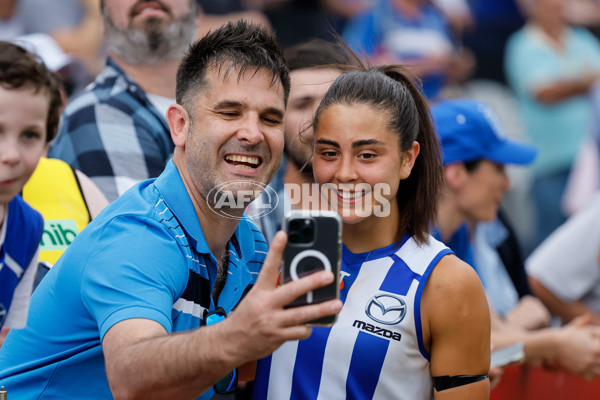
556,129
144,256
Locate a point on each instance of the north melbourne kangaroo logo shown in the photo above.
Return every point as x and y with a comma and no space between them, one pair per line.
386,309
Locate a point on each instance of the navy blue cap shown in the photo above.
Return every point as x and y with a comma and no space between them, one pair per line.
469,130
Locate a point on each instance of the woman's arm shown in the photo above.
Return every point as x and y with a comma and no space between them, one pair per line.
456,328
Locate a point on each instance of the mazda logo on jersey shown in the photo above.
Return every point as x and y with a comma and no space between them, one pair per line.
386,309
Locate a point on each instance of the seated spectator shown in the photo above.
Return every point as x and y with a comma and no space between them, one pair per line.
498,257
564,271
29,112
116,132
475,152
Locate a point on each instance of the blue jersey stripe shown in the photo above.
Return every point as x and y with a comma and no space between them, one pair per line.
261,383
368,355
399,277
418,295
309,364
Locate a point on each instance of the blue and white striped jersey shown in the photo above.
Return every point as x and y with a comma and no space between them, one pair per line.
375,349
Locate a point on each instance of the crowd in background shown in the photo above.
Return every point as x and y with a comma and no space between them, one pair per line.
535,63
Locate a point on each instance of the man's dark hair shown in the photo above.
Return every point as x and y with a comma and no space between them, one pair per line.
316,53
394,91
235,46
20,69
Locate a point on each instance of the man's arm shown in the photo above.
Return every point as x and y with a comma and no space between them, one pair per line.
142,361
455,313
574,347
566,310
562,90
530,313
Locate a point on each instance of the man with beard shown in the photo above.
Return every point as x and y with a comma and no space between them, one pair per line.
140,305
116,132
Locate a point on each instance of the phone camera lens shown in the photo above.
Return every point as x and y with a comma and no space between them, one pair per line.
301,231
294,237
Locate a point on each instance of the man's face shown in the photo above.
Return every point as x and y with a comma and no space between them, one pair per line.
307,89
236,131
145,32
482,191
23,116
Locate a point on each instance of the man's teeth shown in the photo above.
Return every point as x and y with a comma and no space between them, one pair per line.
245,159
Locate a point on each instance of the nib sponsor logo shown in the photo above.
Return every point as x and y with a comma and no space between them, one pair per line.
58,234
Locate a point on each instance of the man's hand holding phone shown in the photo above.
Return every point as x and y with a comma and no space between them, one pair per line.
314,244
262,322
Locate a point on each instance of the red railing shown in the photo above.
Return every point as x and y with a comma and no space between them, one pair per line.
527,383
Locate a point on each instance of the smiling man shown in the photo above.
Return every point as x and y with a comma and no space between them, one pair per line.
115,131
159,260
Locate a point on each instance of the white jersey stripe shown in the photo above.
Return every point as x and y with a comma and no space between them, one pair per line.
418,257
13,265
281,386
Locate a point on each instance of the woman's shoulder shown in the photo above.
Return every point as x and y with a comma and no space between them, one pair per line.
454,294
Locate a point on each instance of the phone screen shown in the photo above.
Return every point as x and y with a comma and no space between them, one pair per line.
508,355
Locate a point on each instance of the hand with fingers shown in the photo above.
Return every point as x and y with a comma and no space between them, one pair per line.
578,348
261,323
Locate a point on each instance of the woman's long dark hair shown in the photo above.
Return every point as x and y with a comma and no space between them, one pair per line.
393,90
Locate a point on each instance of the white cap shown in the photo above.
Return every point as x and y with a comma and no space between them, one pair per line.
45,47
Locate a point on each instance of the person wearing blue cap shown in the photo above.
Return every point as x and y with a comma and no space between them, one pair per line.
475,153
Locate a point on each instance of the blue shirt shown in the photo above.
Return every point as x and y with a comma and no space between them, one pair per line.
144,256
460,244
113,134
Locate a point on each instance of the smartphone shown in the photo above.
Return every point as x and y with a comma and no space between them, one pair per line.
512,354
314,244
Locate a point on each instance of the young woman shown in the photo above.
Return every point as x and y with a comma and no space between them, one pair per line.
415,323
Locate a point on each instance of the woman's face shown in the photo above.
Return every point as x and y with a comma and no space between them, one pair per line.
358,163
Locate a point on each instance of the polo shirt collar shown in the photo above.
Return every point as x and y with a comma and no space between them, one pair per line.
175,194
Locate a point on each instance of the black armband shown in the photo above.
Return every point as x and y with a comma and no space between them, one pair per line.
448,382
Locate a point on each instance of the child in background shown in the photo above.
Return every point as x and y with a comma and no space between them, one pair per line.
29,113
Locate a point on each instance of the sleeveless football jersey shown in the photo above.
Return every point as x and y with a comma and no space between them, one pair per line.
375,349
